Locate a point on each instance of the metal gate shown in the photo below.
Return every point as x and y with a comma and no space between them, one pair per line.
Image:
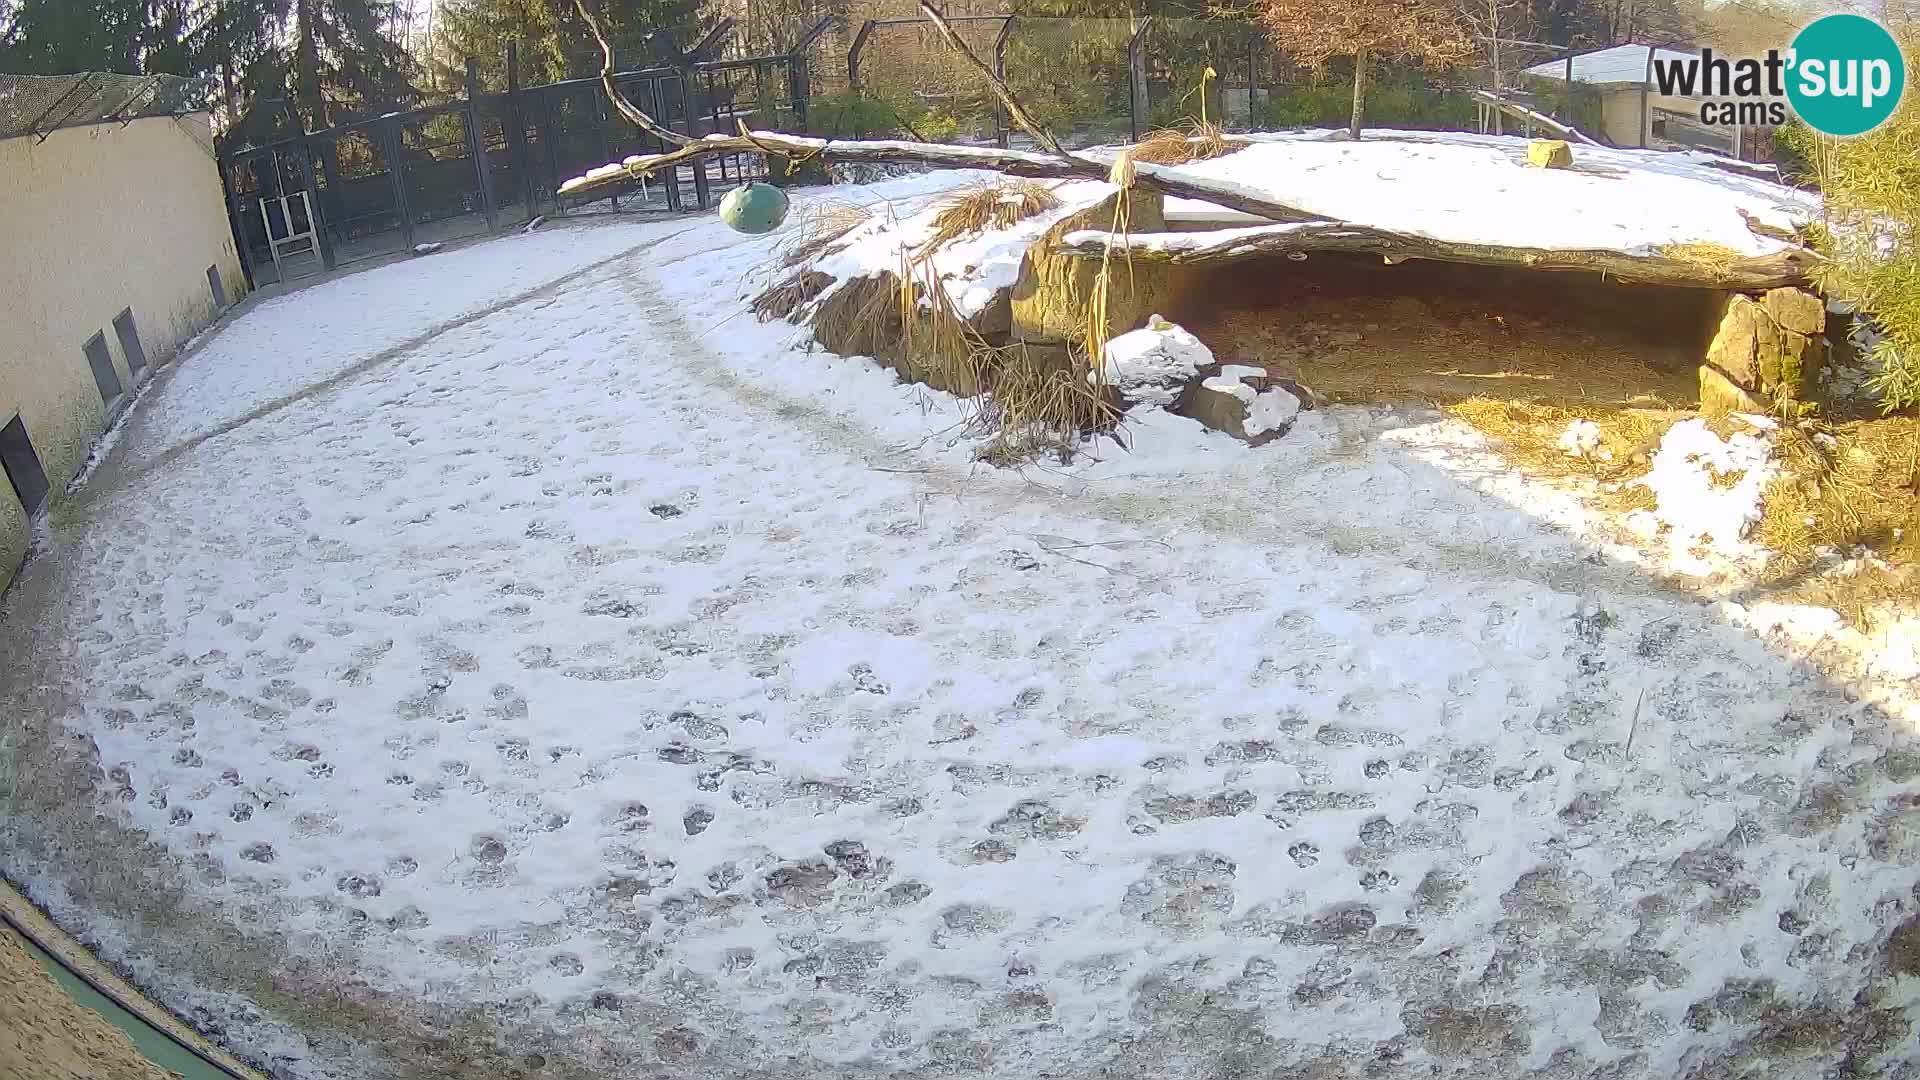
378,187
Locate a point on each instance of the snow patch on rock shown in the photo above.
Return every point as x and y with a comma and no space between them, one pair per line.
1271,409
1151,365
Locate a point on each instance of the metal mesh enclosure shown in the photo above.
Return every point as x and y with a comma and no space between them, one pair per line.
39,104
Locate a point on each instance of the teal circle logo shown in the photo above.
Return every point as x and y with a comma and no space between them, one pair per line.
1846,75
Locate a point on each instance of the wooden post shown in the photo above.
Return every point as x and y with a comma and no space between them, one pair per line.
1567,116
1359,92
1138,107
477,142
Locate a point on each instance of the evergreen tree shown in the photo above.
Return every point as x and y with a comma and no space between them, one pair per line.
482,29
333,58
58,37
554,42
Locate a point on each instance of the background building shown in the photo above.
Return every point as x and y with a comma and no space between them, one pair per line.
1633,112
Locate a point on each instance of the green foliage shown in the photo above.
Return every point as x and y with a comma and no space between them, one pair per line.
1068,73
1791,142
891,112
554,42
1551,97
57,37
482,28
1398,97
862,114
1872,232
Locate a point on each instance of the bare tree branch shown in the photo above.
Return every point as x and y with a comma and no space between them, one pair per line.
634,114
1165,179
1015,110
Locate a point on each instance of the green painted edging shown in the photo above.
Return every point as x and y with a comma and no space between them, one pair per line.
153,1044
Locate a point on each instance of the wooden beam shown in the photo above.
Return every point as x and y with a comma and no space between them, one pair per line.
1521,112
1790,266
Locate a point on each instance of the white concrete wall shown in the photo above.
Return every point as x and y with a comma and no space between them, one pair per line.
93,220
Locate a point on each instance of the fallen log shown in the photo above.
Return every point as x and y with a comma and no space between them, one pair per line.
1790,266
1027,163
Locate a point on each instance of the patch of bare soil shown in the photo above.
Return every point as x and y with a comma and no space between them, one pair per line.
1355,330
46,1035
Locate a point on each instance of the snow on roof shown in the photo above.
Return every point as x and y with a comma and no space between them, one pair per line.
1467,188
1620,64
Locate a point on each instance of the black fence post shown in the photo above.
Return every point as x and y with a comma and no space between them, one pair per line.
1001,121
515,118
799,78
672,177
316,214
386,133
550,150
477,142
235,222
853,54
798,91
690,110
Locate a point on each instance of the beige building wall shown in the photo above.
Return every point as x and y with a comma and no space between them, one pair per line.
1620,116
1620,112
93,220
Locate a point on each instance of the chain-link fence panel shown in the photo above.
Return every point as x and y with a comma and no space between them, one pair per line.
41,104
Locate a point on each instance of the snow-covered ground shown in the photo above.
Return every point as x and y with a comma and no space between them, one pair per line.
297,340
611,681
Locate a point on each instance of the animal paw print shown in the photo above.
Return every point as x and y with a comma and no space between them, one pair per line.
1304,854
865,681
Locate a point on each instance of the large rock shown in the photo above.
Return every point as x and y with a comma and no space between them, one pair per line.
1241,401
1154,365
1797,310
1053,297
1550,154
1764,349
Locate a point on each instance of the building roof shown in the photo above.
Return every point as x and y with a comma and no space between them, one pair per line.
1620,64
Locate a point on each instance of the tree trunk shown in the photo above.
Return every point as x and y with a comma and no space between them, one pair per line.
1359,91
306,75
1493,22
1137,81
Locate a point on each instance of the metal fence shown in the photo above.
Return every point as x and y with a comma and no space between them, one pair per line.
1104,80
384,185
39,105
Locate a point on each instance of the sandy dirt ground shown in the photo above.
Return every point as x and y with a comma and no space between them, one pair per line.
46,1035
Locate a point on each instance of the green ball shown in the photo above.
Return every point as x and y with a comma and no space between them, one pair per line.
754,208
